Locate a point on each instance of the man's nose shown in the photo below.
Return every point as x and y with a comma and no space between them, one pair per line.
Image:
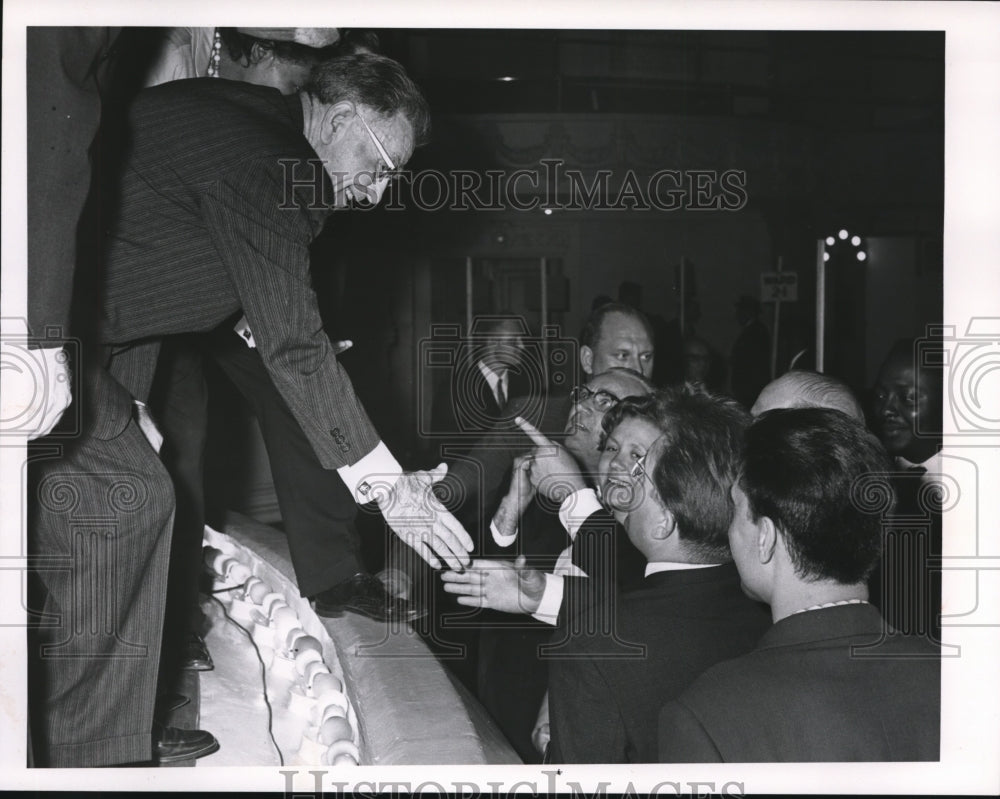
887,405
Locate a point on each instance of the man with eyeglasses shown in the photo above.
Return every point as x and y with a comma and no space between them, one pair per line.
222,190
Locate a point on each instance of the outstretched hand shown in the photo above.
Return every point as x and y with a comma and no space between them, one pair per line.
497,584
422,522
554,472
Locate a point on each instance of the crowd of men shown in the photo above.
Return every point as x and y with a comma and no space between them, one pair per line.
694,583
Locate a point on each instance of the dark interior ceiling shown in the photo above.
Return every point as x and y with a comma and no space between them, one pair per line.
845,80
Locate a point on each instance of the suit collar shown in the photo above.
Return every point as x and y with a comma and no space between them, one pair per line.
724,573
842,621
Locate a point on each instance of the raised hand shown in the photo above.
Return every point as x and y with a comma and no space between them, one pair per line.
518,497
554,472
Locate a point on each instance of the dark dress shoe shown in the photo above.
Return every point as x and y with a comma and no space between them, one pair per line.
172,745
196,656
367,596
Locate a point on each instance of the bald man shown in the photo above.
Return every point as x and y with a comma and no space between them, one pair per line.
804,389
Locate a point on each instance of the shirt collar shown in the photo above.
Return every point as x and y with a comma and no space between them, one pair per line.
492,378
933,465
674,566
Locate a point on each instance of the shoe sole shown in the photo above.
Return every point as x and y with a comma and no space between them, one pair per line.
172,706
209,749
328,612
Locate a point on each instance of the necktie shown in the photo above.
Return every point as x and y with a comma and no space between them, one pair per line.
501,394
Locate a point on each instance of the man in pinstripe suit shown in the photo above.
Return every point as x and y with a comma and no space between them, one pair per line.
221,192
225,186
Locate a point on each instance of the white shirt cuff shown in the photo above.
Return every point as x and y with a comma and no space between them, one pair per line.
378,470
501,539
577,508
552,597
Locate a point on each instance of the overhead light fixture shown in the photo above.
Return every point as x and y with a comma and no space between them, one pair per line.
844,235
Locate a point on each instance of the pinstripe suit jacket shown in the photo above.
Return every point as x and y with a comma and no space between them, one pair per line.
221,196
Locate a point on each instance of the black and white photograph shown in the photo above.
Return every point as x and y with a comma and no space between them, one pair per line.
568,398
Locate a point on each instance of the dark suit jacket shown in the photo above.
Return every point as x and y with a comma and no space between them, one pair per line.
221,196
604,709
802,695
64,66
466,409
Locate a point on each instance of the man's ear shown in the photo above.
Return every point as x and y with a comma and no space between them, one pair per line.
587,359
335,120
259,51
666,528
767,539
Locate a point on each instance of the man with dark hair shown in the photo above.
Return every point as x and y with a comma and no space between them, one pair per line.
616,334
805,389
822,684
668,463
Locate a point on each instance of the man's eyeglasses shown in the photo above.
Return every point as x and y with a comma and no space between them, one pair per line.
602,400
383,154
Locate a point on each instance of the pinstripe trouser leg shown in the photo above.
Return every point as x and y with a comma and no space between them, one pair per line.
100,533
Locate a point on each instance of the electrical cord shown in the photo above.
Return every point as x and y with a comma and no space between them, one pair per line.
263,669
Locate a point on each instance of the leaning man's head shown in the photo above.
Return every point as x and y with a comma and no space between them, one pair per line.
371,118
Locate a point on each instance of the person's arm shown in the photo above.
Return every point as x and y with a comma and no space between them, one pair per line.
263,238
265,249
507,518
586,723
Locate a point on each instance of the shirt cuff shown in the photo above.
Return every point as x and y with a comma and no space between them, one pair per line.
501,539
378,470
552,597
577,508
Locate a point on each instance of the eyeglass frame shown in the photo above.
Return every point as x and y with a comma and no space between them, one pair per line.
638,469
588,393
383,153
